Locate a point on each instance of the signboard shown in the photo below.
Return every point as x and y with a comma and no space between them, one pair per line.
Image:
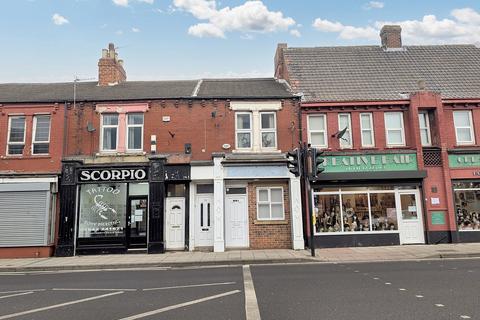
464,160
112,174
438,217
371,163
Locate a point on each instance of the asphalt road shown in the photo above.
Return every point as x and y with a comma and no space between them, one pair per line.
395,290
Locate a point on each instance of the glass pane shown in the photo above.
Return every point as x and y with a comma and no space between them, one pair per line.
263,211
135,118
327,213
243,121
15,148
464,135
262,195
268,120
268,140
205,188
244,140
317,138
393,120
345,141
366,123
277,211
176,190
461,118
17,129
384,211
135,138
343,121
110,119
367,138
277,195
236,190
467,208
316,123
408,207
40,148
109,138
138,189
395,137
138,218
355,212
466,185
102,210
424,137
42,131
422,120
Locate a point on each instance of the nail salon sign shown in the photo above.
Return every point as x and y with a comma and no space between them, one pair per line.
116,175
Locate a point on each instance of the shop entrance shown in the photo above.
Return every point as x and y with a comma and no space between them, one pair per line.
204,219
137,222
175,223
410,217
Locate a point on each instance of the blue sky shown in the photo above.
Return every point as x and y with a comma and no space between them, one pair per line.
51,41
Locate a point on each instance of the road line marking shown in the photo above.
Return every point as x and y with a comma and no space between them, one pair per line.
191,286
439,305
180,305
91,289
13,315
376,278
418,296
16,295
388,283
465,317
251,304
402,289
17,291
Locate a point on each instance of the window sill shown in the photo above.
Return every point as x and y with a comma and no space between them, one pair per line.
256,151
115,153
31,156
271,222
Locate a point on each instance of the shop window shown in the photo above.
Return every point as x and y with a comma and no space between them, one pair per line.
109,133
394,129
463,127
268,130
270,204
355,212
317,131
102,210
383,211
16,135
425,134
135,131
243,127
366,128
344,123
41,134
467,206
327,213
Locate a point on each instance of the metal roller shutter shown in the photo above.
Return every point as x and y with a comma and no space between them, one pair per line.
23,218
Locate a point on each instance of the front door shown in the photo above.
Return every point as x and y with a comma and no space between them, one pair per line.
204,221
137,222
410,217
236,221
175,223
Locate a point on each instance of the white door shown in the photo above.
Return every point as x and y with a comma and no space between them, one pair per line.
236,221
175,223
204,221
410,217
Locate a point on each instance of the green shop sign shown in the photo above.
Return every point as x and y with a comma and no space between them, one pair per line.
464,160
438,217
371,163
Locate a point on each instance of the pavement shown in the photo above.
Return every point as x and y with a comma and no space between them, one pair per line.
243,257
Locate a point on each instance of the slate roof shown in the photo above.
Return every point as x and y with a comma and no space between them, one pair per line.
140,90
366,73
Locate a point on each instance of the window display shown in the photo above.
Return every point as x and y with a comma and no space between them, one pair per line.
355,212
384,211
467,205
327,213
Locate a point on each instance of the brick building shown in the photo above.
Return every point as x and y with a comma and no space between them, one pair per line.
399,126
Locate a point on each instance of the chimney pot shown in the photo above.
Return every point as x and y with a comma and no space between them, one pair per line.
111,47
391,36
104,53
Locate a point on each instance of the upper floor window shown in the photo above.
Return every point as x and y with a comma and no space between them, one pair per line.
109,132
344,123
268,130
424,123
366,128
16,135
317,131
463,127
135,131
394,129
41,134
243,127
270,203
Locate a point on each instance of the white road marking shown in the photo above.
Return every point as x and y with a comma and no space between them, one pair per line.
16,291
91,289
376,278
13,315
388,283
402,289
439,305
251,304
465,317
11,274
356,271
180,305
191,286
418,296
16,295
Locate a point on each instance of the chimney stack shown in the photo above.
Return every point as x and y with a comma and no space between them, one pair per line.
391,36
110,68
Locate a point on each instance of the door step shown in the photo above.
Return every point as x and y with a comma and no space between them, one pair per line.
137,251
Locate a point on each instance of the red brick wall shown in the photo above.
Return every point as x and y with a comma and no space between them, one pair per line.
269,234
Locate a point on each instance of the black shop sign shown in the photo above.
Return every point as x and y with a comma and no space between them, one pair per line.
112,174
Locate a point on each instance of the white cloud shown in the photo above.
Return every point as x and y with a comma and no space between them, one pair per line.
59,20
462,27
295,33
124,3
135,29
374,5
252,16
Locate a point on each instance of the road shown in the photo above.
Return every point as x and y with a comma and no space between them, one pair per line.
437,289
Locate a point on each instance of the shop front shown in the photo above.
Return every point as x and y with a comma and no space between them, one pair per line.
368,200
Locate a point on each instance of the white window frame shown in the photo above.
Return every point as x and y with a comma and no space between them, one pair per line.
324,131
34,131
269,202
472,132
371,130
237,131
349,131
426,128
24,134
127,126
269,130
402,130
102,126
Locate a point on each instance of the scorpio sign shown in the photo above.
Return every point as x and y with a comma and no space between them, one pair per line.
101,207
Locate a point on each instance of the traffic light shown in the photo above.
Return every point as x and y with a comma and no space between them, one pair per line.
294,157
318,160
